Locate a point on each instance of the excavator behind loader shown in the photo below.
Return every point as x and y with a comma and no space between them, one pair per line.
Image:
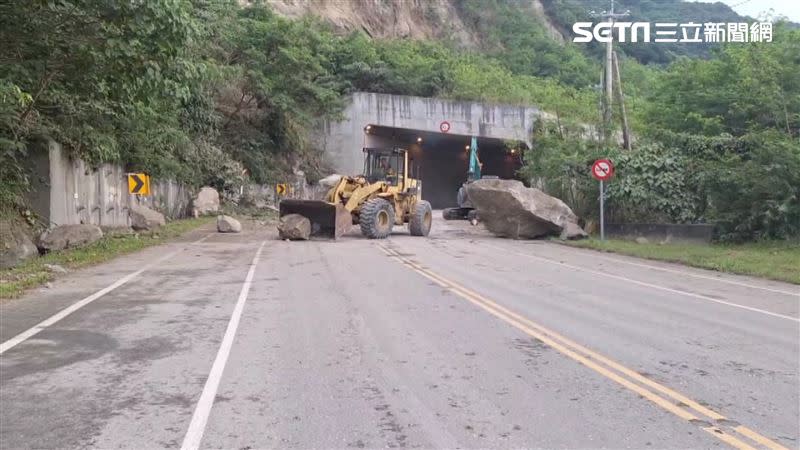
384,196
465,210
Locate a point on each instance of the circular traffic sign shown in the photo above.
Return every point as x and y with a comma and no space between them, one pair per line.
444,127
602,169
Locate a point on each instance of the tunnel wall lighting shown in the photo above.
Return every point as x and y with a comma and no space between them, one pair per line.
419,140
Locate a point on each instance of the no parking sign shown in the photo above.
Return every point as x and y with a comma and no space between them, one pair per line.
602,170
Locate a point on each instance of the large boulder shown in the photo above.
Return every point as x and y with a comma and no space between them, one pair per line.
509,209
295,227
145,219
69,236
15,245
206,201
573,231
227,224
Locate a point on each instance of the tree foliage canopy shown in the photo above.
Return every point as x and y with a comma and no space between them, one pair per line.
719,141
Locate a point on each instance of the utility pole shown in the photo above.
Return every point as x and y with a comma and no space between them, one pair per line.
626,132
608,75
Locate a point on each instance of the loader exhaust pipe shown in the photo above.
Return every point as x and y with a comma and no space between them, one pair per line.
328,220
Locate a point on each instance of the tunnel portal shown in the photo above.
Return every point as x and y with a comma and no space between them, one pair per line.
442,159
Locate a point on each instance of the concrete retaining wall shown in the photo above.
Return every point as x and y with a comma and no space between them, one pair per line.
655,232
67,191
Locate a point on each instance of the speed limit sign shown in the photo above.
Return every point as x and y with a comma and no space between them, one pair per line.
444,127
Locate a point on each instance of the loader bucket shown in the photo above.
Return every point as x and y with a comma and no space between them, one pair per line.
328,220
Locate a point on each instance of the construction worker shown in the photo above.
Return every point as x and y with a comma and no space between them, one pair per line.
388,171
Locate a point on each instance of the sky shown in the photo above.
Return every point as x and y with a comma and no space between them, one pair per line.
753,8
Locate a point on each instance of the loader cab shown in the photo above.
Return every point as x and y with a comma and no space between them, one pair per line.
386,164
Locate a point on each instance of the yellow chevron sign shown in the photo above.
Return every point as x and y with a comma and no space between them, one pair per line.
139,183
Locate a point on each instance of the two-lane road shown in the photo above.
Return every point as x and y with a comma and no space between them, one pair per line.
459,340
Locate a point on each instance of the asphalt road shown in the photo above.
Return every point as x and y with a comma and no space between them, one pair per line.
460,340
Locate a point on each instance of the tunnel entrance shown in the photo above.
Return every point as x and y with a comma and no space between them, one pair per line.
443,159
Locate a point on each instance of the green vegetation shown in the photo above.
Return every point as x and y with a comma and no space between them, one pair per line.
718,142
777,260
209,93
435,70
198,91
512,33
567,12
32,273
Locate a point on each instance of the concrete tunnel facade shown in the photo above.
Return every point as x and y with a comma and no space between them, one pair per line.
436,132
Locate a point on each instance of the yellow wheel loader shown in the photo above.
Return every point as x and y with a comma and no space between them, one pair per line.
384,196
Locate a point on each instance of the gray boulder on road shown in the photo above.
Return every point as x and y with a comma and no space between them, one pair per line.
145,219
15,245
509,209
69,236
294,227
573,231
227,224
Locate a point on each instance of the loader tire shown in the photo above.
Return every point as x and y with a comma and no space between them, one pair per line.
452,214
376,218
421,219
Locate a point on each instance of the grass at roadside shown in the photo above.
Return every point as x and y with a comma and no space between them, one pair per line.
32,273
777,260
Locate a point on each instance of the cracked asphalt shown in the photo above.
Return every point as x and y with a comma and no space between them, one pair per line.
459,340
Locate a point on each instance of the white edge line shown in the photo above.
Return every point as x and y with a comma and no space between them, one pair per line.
30,332
194,434
653,286
687,273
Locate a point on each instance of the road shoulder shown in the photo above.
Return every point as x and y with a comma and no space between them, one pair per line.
33,273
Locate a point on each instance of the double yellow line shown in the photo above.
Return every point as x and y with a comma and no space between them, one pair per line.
676,403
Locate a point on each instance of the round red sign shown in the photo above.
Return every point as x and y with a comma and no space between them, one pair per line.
444,127
602,169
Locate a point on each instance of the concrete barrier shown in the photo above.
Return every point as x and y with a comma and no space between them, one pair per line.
660,232
67,191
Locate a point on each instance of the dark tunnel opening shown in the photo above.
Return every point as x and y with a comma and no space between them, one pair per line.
443,159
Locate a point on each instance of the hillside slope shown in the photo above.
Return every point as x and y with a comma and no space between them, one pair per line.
470,23
415,19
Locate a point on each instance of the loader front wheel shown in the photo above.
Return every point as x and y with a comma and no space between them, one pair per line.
421,219
376,218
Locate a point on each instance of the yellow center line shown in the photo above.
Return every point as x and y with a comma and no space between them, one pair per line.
758,438
593,360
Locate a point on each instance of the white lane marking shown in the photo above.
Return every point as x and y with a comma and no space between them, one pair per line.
27,334
695,275
653,286
200,417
